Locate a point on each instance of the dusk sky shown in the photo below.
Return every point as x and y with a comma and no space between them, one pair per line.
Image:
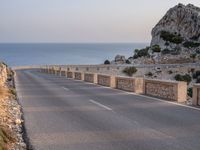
66,21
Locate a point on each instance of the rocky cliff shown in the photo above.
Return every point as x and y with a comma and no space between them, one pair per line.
175,38
180,24
177,35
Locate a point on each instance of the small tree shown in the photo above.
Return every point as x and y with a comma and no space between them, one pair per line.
130,71
107,62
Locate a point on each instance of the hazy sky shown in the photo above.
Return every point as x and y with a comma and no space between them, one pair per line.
81,20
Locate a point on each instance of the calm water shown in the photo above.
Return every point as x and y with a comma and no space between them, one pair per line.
42,54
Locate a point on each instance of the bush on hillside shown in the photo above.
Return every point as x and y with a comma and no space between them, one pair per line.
130,71
170,71
150,74
156,48
141,53
190,92
128,61
170,37
190,44
196,74
166,51
198,79
186,78
107,62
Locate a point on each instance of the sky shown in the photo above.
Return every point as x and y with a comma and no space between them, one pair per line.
81,21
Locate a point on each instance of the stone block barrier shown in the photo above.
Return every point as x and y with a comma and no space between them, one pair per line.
196,95
63,73
135,85
78,76
58,72
104,80
89,77
70,74
169,90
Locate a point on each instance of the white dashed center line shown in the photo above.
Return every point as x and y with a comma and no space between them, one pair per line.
66,89
99,104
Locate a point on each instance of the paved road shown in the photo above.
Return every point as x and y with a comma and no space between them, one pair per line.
63,114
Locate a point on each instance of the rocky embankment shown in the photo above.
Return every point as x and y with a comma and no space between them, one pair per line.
11,133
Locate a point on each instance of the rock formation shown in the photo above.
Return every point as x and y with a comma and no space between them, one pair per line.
179,27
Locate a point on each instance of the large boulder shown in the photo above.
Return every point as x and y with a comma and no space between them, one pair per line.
119,59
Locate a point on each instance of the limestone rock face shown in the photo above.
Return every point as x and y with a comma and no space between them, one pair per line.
181,20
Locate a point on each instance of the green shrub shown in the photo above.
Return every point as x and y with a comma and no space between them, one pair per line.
198,79
166,51
107,62
196,74
176,51
156,48
193,56
190,92
141,53
128,61
150,74
130,71
190,44
198,51
187,78
170,71
170,37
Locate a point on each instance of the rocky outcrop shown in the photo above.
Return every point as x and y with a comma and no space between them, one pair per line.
181,22
119,59
175,39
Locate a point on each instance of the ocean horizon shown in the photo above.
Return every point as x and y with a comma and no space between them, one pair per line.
26,54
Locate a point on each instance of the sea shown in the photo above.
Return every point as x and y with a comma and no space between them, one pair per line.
64,54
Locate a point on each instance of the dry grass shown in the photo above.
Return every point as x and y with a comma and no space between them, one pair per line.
4,92
5,134
5,139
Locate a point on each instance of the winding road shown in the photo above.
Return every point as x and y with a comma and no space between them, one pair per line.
64,114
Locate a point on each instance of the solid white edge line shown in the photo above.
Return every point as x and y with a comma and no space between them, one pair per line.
99,104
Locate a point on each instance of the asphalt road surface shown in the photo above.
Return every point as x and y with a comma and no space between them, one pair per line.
64,114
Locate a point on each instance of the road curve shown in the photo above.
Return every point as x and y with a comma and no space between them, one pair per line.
63,114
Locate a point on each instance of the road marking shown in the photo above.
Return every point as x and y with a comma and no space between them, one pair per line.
154,98
66,89
99,104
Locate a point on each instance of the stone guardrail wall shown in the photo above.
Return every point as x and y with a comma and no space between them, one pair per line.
69,74
78,76
89,77
130,84
104,80
63,73
170,90
196,94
